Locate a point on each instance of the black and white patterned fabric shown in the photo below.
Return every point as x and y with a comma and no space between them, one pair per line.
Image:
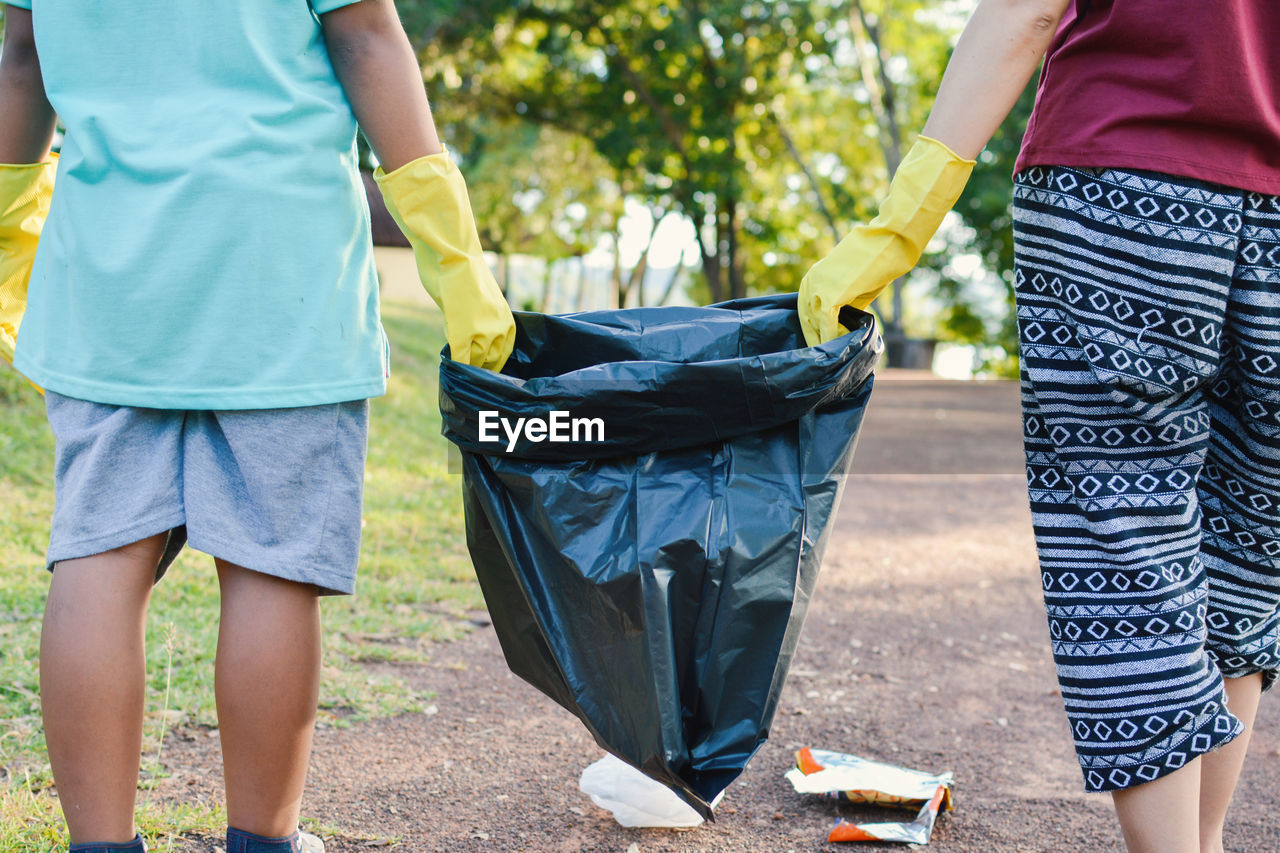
1149,321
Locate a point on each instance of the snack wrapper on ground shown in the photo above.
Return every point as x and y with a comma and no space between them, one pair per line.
850,778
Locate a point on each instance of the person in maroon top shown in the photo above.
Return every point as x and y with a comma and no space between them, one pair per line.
1147,275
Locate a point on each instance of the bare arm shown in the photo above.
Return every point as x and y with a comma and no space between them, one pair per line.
999,50
26,119
379,72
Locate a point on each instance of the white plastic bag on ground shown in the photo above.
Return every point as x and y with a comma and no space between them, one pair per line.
634,798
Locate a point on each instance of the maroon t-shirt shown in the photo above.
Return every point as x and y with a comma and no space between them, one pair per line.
1184,87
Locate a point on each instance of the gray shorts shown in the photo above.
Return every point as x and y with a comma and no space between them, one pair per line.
278,491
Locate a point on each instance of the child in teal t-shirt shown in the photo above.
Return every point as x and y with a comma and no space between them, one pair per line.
202,310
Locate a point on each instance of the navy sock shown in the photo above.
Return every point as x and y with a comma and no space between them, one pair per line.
239,841
134,846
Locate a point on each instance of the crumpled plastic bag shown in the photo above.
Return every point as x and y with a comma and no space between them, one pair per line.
634,798
853,779
652,575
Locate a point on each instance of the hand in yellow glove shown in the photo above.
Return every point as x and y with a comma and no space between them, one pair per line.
926,186
25,192
428,200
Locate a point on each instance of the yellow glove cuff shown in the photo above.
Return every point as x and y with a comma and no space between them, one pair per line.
927,184
428,200
430,186
26,189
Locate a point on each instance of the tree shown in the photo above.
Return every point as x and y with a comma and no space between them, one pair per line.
889,54
670,94
773,126
538,191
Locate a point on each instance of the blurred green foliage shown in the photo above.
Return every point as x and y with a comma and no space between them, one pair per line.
772,126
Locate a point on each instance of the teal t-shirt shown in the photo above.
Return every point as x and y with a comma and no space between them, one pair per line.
208,244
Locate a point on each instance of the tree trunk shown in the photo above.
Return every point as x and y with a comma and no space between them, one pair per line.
635,279
737,283
580,303
671,282
711,269
615,279
711,262
548,268
635,283
502,273
808,174
875,78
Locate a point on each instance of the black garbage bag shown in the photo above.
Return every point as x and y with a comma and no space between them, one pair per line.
653,579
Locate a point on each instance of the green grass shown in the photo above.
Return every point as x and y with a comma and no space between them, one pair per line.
415,587
30,822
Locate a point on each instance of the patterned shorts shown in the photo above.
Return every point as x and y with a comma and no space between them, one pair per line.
1149,321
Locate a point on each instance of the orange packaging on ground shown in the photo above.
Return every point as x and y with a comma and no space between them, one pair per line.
853,779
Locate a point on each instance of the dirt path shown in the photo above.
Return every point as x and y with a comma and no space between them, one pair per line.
926,645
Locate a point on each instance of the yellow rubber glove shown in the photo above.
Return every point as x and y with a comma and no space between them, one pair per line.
926,186
428,200
25,192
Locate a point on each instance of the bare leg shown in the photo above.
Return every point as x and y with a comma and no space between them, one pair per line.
1221,768
93,683
1162,816
267,682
